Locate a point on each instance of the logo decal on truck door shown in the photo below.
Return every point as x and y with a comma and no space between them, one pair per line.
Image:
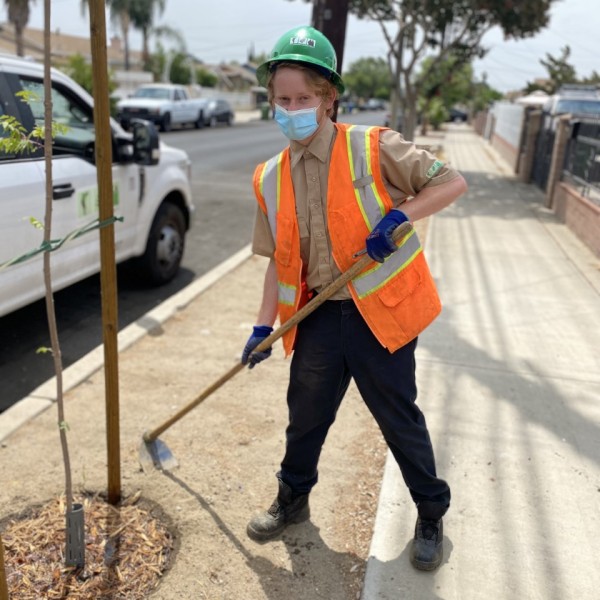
87,201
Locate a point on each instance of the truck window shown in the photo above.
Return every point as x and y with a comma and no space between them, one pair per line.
66,110
3,134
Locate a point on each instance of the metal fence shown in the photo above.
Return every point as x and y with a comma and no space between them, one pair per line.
582,158
543,155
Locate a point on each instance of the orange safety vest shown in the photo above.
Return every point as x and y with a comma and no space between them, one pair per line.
397,298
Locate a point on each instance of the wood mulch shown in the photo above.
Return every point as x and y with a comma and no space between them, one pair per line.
127,549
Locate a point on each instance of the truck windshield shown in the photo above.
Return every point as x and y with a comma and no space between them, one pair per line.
152,92
578,107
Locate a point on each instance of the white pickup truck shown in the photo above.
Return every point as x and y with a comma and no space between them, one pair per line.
165,104
152,192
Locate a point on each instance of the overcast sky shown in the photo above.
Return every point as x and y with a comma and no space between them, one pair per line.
224,31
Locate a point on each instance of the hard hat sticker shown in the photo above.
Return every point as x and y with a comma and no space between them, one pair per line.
302,41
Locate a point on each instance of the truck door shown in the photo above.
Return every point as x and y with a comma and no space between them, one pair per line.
75,189
183,107
21,189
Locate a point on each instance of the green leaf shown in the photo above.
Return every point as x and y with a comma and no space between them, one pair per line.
36,223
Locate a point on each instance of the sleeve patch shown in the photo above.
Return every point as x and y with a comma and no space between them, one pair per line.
434,169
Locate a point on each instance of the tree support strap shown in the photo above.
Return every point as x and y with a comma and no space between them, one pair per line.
51,245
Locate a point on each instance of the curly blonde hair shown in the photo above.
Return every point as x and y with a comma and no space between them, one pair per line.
317,82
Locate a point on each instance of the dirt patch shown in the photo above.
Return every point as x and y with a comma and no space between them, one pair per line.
229,449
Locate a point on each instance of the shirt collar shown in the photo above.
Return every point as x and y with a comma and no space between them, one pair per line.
318,147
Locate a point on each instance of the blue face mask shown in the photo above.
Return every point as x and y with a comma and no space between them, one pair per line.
297,124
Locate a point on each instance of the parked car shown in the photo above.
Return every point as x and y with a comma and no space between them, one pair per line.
151,182
164,104
373,104
218,111
577,100
457,116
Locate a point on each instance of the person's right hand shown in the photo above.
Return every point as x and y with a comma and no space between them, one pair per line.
259,333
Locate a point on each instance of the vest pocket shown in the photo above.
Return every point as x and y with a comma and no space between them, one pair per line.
400,287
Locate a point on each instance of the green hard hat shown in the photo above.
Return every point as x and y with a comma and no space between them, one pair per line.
303,45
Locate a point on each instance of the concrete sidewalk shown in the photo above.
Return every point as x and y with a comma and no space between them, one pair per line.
509,380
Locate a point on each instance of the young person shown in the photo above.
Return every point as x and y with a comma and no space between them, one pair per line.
336,189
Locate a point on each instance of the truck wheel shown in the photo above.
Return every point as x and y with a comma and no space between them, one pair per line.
165,124
199,122
164,248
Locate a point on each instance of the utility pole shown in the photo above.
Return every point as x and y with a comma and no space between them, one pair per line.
330,18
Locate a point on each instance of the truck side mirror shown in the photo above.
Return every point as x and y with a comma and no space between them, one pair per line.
145,142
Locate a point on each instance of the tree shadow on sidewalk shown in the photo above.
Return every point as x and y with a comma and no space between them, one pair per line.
316,570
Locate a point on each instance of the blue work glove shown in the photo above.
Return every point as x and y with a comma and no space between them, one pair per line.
379,242
259,333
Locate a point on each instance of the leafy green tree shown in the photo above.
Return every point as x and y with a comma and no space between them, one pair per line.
483,96
415,28
180,71
81,71
593,79
559,73
442,85
434,112
159,62
18,15
119,15
368,78
142,14
206,78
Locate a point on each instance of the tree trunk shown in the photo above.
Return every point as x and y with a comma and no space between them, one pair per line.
145,48
19,39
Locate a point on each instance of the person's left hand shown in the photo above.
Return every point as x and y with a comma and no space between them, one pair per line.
379,242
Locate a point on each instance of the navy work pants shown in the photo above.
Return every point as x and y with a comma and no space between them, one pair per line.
333,345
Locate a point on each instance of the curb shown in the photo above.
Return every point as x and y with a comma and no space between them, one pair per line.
44,395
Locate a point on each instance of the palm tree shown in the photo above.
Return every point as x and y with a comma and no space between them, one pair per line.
18,15
119,15
142,13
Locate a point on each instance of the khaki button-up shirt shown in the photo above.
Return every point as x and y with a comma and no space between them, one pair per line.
404,170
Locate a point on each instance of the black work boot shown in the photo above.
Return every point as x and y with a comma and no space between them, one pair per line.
427,548
287,508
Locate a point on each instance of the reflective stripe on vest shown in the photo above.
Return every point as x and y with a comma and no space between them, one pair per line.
286,293
270,186
370,281
270,189
359,155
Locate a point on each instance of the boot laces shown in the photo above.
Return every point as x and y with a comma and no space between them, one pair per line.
429,529
275,509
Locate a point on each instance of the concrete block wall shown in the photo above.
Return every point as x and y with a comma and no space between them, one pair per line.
579,214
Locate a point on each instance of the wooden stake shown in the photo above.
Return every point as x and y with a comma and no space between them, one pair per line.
3,583
108,272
